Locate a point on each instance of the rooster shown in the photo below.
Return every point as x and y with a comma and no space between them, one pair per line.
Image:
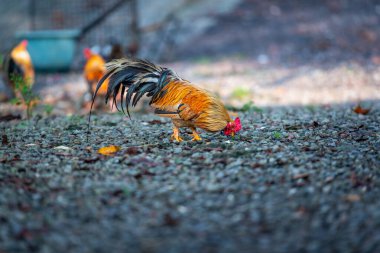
18,63
171,96
94,69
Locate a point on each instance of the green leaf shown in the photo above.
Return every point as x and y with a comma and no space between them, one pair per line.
15,101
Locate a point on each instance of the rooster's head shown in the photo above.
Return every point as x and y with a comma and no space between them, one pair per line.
232,127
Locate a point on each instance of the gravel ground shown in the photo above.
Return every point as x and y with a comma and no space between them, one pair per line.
303,175
297,179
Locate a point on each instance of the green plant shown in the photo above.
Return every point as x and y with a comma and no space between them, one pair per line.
240,93
76,119
126,191
277,135
203,60
310,108
75,122
48,109
247,107
22,125
26,96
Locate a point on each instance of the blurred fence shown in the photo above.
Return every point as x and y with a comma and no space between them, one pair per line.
125,24
14,17
104,22
156,26
69,14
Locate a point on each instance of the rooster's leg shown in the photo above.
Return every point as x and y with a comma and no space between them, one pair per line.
175,135
196,135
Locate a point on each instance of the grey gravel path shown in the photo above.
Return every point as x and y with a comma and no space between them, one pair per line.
295,180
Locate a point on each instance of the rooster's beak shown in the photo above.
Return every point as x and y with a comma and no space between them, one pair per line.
233,134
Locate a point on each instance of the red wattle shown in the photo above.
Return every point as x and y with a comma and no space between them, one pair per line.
237,124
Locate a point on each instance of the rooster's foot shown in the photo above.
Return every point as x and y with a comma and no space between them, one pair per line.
196,135
176,138
196,138
175,135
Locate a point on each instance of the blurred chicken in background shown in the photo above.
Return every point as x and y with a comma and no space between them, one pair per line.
94,70
18,63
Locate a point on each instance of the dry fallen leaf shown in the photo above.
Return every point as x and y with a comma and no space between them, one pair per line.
109,150
4,140
301,176
352,198
360,110
156,122
133,151
88,149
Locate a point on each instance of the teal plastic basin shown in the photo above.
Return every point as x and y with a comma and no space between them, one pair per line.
51,50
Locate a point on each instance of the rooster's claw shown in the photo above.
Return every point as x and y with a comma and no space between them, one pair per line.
176,138
196,138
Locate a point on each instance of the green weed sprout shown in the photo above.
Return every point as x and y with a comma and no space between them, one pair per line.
277,135
25,94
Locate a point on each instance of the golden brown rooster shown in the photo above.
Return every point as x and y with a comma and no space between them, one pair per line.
171,96
94,69
18,63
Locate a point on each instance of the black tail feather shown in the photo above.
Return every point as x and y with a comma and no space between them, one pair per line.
122,97
133,78
94,96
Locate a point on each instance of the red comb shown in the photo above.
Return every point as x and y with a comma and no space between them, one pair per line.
24,43
87,52
237,124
